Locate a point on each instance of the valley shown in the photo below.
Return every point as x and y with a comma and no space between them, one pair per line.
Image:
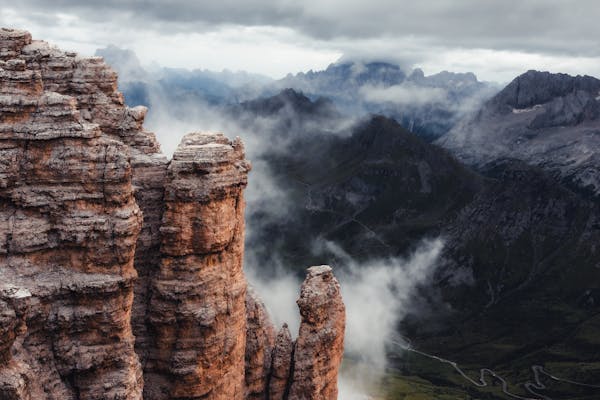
515,296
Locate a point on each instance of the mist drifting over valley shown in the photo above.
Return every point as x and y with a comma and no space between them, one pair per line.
378,292
396,282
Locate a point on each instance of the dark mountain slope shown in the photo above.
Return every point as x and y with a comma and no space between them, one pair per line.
518,284
375,191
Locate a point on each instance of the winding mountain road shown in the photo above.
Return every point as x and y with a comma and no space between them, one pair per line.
531,387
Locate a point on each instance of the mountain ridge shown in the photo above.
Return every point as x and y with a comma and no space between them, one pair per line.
561,135
519,244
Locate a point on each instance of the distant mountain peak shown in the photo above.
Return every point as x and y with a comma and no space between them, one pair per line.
294,99
416,74
347,73
537,87
544,119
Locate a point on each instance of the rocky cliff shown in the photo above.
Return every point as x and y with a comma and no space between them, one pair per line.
320,343
197,308
120,271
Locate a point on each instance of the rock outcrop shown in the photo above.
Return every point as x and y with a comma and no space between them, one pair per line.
260,341
320,344
121,272
197,310
281,368
69,225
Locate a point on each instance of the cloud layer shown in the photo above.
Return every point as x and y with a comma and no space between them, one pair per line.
497,40
404,94
529,25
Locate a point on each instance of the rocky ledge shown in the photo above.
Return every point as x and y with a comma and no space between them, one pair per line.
120,271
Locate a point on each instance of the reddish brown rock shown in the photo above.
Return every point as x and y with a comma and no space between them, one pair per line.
320,344
14,304
103,243
95,108
11,42
197,311
260,339
69,226
281,365
14,375
149,174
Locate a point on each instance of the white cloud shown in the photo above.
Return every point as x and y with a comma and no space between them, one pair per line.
404,94
496,40
377,293
268,50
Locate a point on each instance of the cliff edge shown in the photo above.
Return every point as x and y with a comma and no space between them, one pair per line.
120,271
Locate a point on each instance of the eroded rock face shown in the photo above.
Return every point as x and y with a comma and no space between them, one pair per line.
69,226
260,340
110,255
320,344
197,311
14,375
281,365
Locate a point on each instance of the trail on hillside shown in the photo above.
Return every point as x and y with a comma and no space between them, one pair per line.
531,387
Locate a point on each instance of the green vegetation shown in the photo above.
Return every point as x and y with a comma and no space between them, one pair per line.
425,379
570,354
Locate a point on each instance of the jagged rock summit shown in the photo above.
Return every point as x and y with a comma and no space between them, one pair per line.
120,271
535,88
544,119
320,344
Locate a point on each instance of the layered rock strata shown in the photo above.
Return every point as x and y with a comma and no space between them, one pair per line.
260,342
278,368
320,345
120,272
69,226
281,366
197,310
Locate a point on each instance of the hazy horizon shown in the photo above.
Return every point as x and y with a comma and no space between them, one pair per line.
495,41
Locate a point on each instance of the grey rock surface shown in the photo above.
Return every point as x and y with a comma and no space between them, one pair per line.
546,120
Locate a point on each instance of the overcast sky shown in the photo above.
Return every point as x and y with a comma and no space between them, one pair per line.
495,39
